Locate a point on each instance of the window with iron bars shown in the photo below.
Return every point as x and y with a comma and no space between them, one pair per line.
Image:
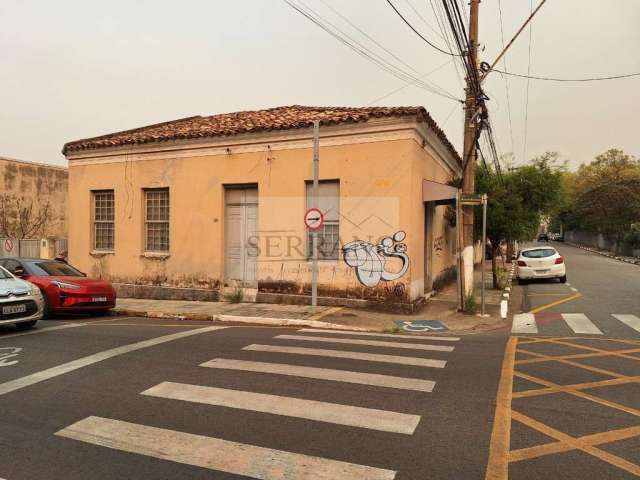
329,233
103,220
156,229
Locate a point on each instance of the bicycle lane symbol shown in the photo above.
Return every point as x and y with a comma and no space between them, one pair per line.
6,353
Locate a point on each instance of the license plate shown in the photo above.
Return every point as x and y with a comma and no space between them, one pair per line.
10,309
99,299
542,272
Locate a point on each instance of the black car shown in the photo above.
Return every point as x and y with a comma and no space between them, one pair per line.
543,237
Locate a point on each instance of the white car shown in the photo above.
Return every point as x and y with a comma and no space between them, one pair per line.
540,262
21,302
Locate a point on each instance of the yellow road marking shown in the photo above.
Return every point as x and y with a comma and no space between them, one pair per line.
577,444
560,447
578,393
577,386
576,356
557,302
324,313
575,364
498,464
615,353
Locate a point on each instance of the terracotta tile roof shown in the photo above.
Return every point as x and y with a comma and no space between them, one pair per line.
227,124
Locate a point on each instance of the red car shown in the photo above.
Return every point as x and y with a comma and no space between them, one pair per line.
65,289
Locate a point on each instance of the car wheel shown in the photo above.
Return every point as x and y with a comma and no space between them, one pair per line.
26,325
563,279
45,306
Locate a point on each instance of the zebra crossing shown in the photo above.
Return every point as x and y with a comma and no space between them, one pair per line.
260,461
577,323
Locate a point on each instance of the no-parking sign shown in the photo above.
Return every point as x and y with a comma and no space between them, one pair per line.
8,245
313,219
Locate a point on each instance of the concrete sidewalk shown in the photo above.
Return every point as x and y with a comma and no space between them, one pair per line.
296,315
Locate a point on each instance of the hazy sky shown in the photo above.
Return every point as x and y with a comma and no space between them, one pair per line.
74,69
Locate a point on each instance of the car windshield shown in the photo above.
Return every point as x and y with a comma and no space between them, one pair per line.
4,274
539,253
47,268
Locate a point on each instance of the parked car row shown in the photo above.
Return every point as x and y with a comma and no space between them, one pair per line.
34,288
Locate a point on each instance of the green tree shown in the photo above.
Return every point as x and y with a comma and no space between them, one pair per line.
606,195
518,200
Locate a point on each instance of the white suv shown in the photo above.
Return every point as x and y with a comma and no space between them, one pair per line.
540,262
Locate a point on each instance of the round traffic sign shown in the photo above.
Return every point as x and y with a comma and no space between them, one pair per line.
313,219
8,245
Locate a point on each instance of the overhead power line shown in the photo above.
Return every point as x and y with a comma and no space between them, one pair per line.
367,53
417,32
554,79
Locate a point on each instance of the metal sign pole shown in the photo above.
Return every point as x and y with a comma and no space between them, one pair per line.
484,244
314,204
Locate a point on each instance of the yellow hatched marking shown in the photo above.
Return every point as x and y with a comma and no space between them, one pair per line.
576,444
498,464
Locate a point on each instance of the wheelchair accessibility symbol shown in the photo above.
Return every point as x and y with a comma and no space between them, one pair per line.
422,326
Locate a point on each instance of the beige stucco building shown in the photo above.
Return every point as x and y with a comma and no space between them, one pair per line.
33,199
221,200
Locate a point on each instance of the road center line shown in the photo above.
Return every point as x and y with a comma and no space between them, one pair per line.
43,330
349,415
214,453
41,376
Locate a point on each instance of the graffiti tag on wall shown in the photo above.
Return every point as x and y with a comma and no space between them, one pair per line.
368,259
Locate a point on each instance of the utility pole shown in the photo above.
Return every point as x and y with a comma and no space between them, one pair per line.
469,151
314,204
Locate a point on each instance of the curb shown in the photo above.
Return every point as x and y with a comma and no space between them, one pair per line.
604,254
504,304
280,322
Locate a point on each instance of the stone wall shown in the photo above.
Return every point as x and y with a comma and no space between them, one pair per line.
37,190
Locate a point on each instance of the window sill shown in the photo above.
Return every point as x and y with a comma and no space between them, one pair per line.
156,255
101,253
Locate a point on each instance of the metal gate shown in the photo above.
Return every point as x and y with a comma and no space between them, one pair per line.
10,247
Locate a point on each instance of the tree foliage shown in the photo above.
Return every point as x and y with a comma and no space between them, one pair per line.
518,200
603,196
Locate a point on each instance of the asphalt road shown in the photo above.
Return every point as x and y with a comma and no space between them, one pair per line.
72,406
598,287
126,398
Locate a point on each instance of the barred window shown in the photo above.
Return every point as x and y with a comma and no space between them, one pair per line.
103,220
328,234
156,203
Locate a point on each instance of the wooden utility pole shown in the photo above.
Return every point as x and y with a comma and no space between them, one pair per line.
469,150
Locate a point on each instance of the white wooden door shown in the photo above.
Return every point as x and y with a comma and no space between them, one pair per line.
241,242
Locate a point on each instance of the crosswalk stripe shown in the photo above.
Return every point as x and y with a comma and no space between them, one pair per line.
372,343
524,323
629,320
324,374
214,453
579,323
389,335
370,357
370,418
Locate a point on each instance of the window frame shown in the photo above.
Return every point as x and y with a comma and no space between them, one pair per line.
148,222
322,231
95,221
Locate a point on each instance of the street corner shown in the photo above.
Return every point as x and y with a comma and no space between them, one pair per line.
567,405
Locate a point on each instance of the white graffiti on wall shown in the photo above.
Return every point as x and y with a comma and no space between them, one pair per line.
368,260
6,353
